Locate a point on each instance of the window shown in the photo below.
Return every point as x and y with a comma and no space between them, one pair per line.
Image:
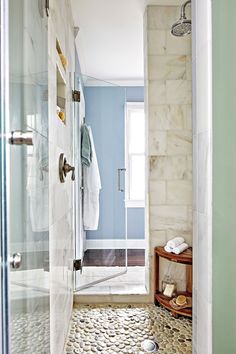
135,154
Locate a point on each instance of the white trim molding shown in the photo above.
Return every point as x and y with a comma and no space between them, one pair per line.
131,203
116,244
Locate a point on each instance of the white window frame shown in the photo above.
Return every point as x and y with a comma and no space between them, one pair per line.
128,202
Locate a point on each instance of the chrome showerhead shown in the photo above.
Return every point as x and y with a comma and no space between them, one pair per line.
183,26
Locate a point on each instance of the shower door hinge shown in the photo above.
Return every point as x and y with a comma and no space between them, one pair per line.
77,264
47,7
76,96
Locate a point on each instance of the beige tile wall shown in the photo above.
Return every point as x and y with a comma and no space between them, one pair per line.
168,106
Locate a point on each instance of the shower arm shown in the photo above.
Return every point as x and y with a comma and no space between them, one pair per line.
183,8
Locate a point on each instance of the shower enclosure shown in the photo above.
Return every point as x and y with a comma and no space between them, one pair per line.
24,178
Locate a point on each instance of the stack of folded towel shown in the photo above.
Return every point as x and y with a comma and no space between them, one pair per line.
177,245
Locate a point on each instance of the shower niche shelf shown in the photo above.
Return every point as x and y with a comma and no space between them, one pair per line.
61,64
183,258
61,96
61,56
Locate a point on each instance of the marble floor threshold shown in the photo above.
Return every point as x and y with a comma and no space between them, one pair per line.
114,329
130,283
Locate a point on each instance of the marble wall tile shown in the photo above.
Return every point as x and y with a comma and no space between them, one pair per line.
190,166
61,233
178,45
178,92
163,67
179,143
157,192
157,143
169,168
179,192
189,68
158,238
157,92
169,95
61,284
156,42
165,217
161,17
157,117
190,217
188,117
176,115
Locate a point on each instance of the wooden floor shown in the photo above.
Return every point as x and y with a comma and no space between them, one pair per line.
114,258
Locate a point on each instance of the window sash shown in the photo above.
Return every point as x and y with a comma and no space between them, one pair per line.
132,203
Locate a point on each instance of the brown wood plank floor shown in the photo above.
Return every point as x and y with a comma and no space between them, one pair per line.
113,258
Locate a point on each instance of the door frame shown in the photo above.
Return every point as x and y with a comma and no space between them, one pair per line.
4,174
202,88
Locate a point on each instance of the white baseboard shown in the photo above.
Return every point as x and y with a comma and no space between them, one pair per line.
115,244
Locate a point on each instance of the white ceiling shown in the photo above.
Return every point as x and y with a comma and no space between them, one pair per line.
110,39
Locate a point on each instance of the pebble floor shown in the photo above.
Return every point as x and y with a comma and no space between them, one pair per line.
114,329
30,333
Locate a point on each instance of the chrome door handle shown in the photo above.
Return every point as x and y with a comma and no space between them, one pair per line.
119,170
15,261
19,137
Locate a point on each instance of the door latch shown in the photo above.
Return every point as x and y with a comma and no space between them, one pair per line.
15,261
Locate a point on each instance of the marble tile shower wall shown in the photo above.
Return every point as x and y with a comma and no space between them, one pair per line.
60,27
168,105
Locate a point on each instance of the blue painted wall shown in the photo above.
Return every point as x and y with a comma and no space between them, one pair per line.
105,114
134,94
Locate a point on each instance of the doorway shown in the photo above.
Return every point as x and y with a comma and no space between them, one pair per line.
114,253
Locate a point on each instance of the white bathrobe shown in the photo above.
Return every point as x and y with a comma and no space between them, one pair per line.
92,186
37,184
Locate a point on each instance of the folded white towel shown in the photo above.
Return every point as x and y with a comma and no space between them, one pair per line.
175,242
168,249
181,248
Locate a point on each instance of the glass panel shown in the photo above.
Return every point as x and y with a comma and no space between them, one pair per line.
103,246
137,177
29,235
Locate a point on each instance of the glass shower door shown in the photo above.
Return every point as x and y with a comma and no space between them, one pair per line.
101,248
27,182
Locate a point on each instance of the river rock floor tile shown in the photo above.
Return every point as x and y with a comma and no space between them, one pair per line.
114,329
30,333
